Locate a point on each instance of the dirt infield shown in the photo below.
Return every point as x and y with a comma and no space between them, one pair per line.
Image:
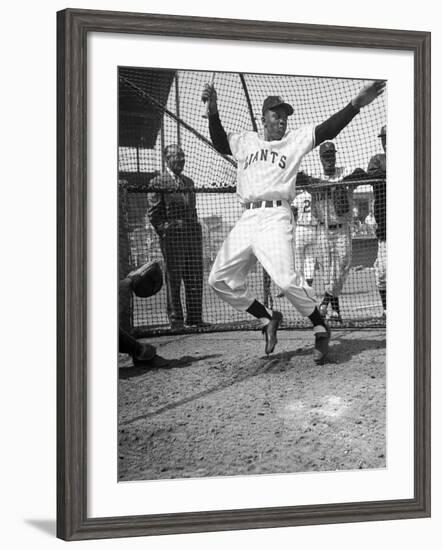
223,408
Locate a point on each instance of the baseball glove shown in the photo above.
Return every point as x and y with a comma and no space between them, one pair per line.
147,280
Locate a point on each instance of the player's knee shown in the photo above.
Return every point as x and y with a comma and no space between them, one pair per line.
285,283
213,280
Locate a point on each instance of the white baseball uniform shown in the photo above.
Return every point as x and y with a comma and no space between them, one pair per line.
334,234
266,172
306,235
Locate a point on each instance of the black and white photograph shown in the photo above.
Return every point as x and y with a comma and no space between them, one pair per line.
222,206
252,274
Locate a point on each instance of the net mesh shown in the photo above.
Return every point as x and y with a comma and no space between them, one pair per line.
160,107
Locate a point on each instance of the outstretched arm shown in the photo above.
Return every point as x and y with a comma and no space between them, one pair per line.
337,122
217,133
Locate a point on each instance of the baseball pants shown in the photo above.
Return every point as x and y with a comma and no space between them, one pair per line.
306,237
334,251
380,266
266,235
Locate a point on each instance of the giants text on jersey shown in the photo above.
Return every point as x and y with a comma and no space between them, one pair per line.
267,169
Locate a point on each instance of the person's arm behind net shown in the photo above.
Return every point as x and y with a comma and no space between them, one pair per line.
217,133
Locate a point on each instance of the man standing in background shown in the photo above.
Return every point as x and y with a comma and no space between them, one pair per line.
332,206
377,168
172,212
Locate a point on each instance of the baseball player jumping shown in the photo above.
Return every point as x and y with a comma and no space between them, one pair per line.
266,184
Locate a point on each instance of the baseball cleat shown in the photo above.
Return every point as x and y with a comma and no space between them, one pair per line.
270,331
320,352
144,355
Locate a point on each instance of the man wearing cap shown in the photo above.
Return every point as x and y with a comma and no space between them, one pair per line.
377,168
333,207
266,186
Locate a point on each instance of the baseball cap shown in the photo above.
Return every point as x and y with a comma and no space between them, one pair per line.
383,131
327,147
276,101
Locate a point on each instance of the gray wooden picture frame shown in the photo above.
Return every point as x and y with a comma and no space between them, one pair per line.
73,27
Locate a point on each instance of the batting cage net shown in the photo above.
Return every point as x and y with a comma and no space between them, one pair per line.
182,221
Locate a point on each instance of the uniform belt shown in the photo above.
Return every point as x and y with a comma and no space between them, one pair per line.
263,204
334,225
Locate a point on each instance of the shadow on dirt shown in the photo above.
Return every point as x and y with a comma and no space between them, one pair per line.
130,372
342,350
265,364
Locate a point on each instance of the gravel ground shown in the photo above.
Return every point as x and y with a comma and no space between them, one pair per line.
223,408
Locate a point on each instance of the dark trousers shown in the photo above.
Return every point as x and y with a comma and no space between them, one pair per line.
126,343
183,256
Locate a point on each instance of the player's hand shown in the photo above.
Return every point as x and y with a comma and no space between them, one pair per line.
209,96
368,93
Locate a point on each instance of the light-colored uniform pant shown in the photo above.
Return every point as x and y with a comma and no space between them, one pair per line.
306,237
334,251
380,266
266,235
